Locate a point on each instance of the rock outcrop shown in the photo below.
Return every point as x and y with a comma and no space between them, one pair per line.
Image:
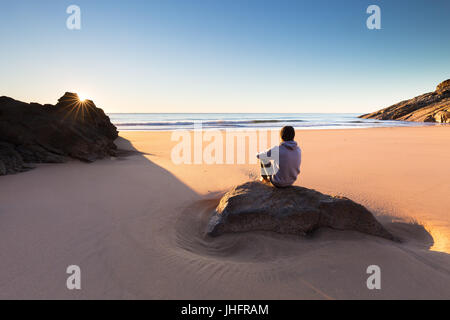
429,107
35,133
255,206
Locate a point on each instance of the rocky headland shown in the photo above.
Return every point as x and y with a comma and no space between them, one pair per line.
429,107
34,133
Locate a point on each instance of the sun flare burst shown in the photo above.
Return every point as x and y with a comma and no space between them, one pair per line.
82,97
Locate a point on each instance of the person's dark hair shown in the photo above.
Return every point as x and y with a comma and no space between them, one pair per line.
287,133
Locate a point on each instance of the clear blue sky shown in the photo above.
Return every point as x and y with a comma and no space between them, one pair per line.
225,55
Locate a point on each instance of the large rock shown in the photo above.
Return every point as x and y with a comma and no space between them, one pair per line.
10,160
256,206
443,87
429,107
35,133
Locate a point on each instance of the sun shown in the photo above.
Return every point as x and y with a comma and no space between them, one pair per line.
82,96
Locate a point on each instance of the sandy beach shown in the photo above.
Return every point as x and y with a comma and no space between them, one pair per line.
134,224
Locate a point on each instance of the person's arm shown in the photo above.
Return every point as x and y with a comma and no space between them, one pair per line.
266,155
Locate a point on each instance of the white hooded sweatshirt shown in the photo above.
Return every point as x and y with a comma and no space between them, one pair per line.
287,158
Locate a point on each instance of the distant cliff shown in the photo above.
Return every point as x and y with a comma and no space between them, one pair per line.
429,107
34,133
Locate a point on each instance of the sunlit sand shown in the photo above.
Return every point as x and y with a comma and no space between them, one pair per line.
135,224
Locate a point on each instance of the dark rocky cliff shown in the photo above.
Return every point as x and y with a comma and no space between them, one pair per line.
35,133
429,107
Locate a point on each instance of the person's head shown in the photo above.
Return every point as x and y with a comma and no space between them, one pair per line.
287,133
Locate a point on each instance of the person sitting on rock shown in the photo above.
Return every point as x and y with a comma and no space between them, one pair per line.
286,159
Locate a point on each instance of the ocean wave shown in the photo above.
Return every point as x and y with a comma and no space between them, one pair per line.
207,122
155,122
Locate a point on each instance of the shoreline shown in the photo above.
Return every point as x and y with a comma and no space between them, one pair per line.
424,125
207,121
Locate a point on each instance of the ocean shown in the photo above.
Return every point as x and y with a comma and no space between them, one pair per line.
172,121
